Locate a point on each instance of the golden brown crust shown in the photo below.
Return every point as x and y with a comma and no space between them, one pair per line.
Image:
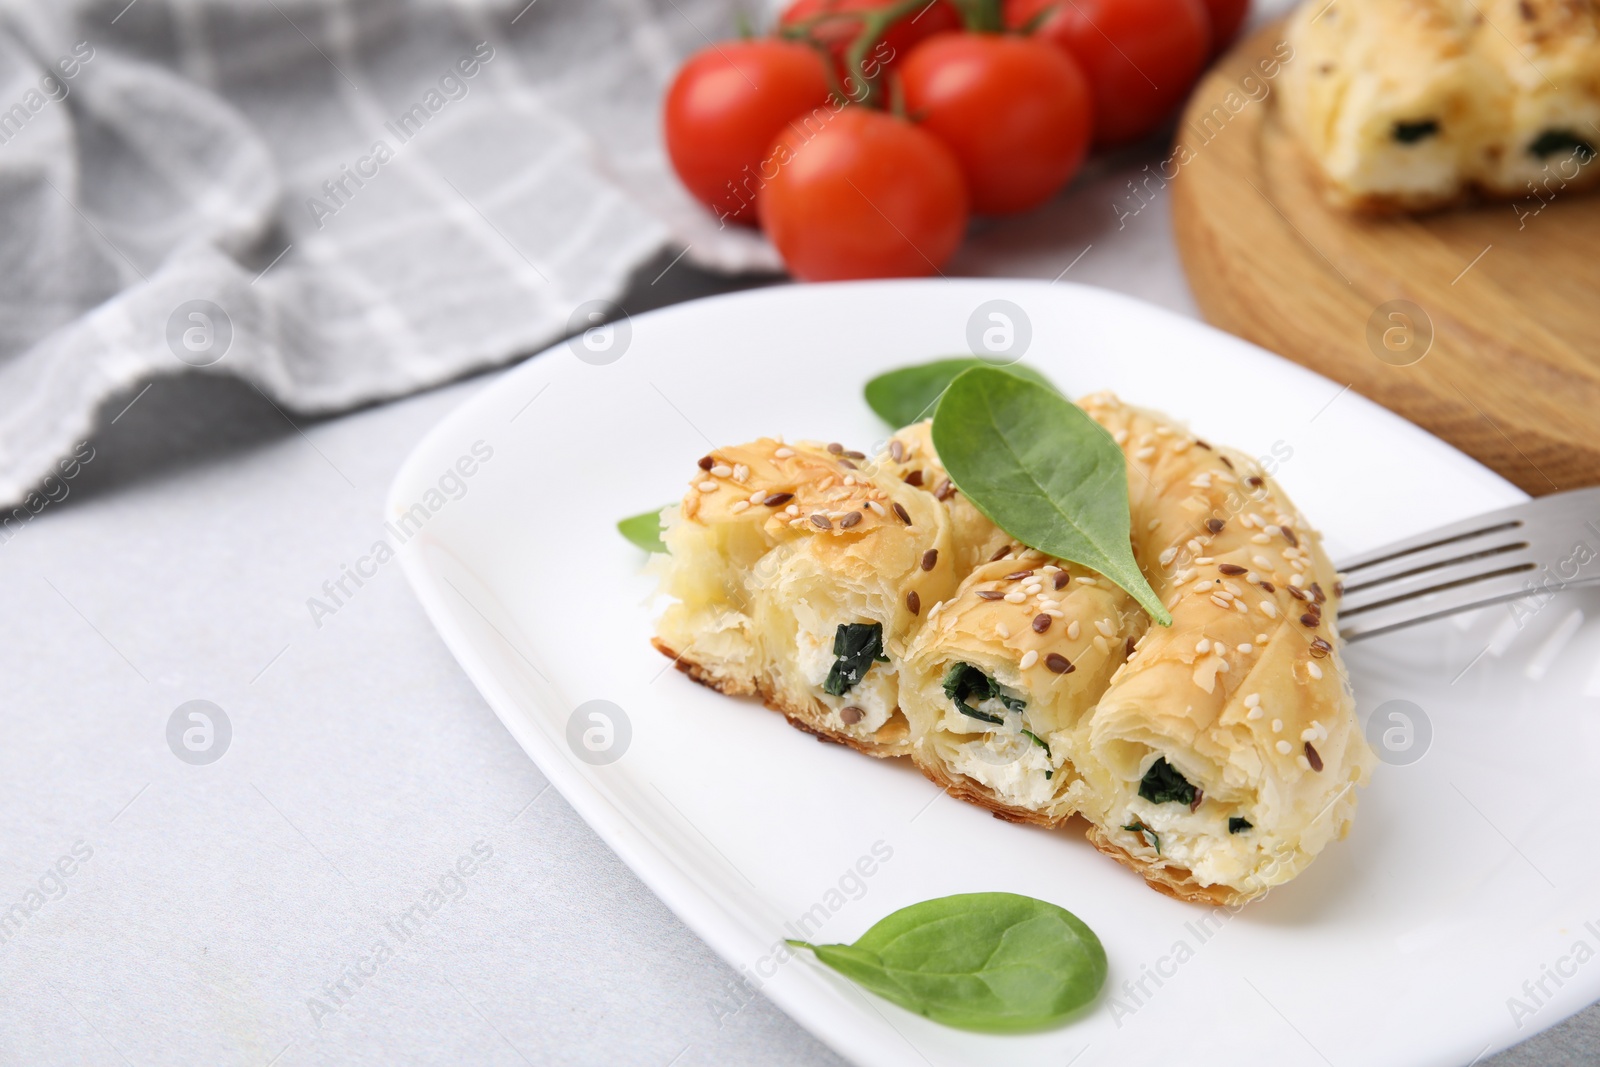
1174,882
891,741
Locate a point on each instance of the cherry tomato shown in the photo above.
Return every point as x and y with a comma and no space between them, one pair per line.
724,109
1015,111
866,195
838,34
1141,56
1227,16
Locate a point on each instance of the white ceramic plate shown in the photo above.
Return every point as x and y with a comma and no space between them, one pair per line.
1467,873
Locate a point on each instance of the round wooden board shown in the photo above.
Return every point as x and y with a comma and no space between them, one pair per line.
1512,290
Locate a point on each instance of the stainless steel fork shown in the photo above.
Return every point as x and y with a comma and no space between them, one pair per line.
1533,550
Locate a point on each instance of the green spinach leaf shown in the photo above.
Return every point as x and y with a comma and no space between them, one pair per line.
1236,825
855,645
1042,471
963,682
990,962
1162,783
908,394
644,530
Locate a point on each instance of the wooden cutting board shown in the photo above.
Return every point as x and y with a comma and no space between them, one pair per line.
1512,291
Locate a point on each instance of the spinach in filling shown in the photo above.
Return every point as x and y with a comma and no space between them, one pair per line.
1412,132
1237,825
1551,142
965,682
1162,784
856,645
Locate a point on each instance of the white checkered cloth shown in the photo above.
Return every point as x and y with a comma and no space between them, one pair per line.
337,200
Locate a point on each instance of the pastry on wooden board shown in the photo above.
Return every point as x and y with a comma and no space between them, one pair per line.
1419,104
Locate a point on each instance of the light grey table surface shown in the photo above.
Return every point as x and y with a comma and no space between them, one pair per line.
218,906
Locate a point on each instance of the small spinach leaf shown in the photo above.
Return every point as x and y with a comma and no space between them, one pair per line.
1043,471
644,530
908,394
963,682
1162,783
1151,838
855,645
990,962
1237,825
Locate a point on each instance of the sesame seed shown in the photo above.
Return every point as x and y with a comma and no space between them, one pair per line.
742,505
1002,629
900,510
914,603
741,472
1320,648
1284,748
850,520
847,464
1313,758
1193,546
793,510
1297,580
946,490
897,451
1152,524
1256,713
930,559
1059,664
836,448
1232,588
1269,609
1016,596
1061,579
1305,764
1145,453
1311,619
1219,648
1105,627
1314,670
1168,555
1054,613
1220,601
783,453
821,522
1253,700
852,454
1041,623
709,487
1000,554
1261,539
990,594
1029,658
721,470
1203,646
777,500
758,496
1085,581
1308,734
1288,535
1230,568
1033,588
1100,644
1202,561
1247,648
1016,576
1268,586
1277,726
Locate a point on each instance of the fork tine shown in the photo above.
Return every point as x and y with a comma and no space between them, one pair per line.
1434,580
1462,535
1484,549
1382,618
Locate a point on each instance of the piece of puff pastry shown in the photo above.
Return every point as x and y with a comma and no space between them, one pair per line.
1216,756
1414,104
1225,755
796,573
